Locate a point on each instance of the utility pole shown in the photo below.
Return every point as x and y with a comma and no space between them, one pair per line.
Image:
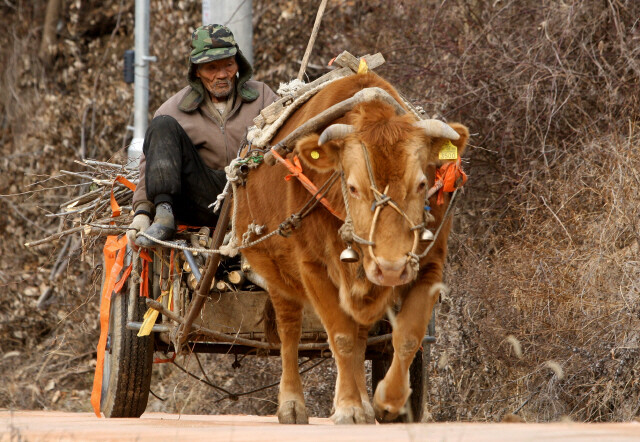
141,82
237,15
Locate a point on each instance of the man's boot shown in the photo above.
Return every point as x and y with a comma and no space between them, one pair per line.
163,227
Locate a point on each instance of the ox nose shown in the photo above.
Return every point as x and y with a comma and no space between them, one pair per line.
391,273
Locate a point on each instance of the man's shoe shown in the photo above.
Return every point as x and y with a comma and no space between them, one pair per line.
163,227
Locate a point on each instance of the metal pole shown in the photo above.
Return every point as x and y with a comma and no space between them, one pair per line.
237,15
141,83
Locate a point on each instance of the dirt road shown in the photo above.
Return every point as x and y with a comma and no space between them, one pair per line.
58,426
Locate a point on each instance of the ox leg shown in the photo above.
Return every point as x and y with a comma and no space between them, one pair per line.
361,380
291,407
343,339
393,391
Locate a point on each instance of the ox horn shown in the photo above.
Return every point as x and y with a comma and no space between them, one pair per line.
335,132
333,113
437,128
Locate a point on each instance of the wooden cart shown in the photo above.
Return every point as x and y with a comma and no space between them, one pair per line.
228,322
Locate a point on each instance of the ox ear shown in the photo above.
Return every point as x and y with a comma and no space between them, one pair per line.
323,158
439,144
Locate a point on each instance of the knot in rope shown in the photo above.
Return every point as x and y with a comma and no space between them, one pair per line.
449,177
295,169
230,249
287,227
428,216
414,261
252,229
381,199
346,231
348,234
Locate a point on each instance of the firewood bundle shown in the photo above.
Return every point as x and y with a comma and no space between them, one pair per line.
104,205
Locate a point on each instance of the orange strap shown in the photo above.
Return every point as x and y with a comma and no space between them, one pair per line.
114,251
120,283
296,171
451,176
166,360
144,274
115,207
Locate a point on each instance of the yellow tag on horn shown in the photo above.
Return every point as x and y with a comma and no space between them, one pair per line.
315,154
363,68
448,152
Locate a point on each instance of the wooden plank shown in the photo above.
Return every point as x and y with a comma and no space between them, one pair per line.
347,60
348,65
270,113
259,121
375,60
233,312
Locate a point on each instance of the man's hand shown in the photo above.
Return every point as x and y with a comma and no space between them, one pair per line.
140,223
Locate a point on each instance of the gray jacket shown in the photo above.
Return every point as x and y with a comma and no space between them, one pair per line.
217,139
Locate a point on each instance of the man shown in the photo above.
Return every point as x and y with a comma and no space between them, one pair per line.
194,135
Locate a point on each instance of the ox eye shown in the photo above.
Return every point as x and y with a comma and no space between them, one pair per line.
422,185
353,191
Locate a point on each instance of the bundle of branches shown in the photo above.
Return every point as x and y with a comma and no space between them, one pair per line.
104,205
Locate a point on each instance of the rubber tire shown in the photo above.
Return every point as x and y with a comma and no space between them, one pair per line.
418,381
128,362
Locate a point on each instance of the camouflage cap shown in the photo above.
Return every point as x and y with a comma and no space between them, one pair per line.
212,42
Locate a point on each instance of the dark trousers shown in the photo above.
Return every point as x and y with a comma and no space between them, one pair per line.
176,174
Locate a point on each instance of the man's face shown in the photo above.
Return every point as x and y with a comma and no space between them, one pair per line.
218,77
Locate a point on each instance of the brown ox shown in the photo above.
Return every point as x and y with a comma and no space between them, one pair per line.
305,268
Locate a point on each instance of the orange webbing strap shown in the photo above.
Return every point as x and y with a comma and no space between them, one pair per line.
452,177
144,274
114,251
184,227
173,273
115,207
296,171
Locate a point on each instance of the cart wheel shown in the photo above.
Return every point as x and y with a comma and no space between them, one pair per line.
417,380
128,361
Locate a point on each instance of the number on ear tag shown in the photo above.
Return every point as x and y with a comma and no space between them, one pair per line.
448,152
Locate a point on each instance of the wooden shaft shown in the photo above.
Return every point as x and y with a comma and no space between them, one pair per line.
233,339
204,285
312,39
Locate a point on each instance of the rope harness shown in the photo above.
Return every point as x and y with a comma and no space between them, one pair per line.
381,199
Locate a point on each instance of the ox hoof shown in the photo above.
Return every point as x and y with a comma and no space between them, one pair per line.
388,409
369,413
385,416
349,416
292,412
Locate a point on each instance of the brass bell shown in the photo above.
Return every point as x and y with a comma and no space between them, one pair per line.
427,235
349,255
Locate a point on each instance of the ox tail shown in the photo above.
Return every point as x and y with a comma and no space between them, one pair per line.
269,322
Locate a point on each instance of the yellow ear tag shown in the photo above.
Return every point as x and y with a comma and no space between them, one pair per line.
448,152
315,154
363,68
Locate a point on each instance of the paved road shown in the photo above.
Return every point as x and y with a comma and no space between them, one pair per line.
58,426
